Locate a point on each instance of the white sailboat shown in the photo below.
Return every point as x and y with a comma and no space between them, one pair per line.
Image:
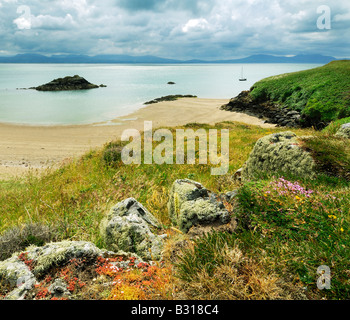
242,77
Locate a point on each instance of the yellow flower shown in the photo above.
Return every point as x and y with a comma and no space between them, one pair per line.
296,197
341,229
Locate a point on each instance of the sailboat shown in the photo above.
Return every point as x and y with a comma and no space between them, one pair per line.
242,78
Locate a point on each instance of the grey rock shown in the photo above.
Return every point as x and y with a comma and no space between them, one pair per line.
191,204
344,131
18,276
229,196
279,153
59,289
238,174
292,113
127,227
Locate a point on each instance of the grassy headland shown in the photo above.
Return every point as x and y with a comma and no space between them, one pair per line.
321,95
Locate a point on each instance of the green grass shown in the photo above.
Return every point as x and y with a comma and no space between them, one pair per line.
334,126
279,237
321,94
332,154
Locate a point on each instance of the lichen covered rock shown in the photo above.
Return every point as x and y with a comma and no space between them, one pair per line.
279,153
344,131
127,227
191,204
21,271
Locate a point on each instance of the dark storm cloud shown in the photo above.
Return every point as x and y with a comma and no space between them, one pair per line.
185,29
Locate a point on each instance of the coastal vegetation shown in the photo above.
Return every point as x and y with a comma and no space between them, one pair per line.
287,226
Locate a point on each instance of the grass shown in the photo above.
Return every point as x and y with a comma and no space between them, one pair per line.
321,94
300,227
334,126
332,154
285,232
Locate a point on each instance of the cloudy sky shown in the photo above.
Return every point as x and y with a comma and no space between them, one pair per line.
181,29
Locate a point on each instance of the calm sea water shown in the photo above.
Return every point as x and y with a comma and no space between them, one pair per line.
128,87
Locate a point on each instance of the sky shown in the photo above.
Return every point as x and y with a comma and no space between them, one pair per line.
178,29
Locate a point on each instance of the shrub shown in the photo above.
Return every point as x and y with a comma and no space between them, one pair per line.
18,238
112,154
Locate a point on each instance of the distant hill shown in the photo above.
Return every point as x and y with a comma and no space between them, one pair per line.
262,58
37,58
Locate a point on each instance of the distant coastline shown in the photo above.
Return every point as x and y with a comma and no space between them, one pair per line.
118,59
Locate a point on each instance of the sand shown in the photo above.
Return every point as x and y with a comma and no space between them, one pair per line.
24,148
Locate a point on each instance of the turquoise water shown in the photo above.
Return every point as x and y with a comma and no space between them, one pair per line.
128,87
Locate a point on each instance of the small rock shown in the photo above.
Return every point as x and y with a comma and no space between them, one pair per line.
229,196
344,131
59,289
238,174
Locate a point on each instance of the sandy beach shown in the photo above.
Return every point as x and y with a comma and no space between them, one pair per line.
38,147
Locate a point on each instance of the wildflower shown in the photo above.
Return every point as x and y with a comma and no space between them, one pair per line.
341,229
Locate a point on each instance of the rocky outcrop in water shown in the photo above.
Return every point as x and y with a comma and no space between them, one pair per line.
170,98
68,83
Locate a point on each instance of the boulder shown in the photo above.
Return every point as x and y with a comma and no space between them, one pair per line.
191,204
279,153
344,131
127,227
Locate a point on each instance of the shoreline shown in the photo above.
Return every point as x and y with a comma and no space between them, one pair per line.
37,148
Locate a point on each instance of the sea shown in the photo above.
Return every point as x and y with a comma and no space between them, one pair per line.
129,86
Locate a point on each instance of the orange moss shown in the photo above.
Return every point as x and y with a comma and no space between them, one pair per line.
145,283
